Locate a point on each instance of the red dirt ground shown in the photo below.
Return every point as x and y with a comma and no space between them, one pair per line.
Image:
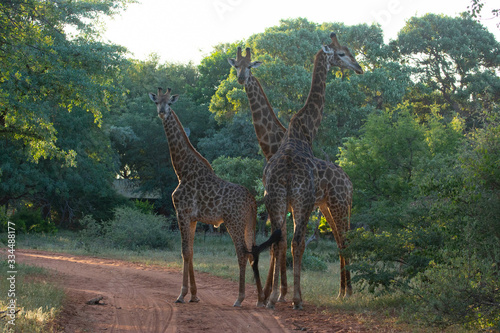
139,298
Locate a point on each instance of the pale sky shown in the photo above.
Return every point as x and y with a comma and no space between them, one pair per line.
180,31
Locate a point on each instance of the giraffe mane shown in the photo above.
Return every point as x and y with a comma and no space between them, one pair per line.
190,145
275,118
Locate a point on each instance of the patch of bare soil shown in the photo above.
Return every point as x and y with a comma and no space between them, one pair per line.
138,298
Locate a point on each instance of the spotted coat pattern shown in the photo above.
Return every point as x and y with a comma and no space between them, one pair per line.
202,196
295,180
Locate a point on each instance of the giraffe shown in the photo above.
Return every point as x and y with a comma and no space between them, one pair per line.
202,196
335,201
297,181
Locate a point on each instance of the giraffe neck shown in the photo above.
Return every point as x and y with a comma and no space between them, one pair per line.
185,159
305,123
268,128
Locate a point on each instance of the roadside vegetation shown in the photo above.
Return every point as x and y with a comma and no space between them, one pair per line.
418,134
39,300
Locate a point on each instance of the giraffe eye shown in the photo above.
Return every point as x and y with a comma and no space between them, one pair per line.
341,54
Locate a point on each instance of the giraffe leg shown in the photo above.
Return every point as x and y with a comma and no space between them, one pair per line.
241,294
192,281
260,292
339,227
270,274
342,278
345,283
242,253
284,283
298,247
187,256
276,265
348,280
276,205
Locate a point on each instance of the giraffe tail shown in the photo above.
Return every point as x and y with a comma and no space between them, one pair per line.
257,249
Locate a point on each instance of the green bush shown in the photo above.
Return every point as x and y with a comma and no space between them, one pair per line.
144,206
462,291
310,262
31,220
132,229
3,221
91,229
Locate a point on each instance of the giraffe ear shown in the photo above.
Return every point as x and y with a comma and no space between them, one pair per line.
152,97
232,62
255,64
327,49
173,99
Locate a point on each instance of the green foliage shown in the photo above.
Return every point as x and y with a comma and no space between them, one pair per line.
39,301
243,171
310,262
456,58
461,291
382,162
429,203
212,70
144,206
56,89
130,229
41,65
31,220
482,160
236,139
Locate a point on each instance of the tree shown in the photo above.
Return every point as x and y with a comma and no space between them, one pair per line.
235,139
43,65
56,89
244,171
212,71
456,58
389,165
476,10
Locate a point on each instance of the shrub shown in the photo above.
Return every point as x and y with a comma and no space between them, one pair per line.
3,221
309,262
132,229
462,291
31,220
144,206
91,229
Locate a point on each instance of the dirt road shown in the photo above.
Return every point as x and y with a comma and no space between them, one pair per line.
140,298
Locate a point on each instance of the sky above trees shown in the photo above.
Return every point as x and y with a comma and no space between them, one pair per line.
183,31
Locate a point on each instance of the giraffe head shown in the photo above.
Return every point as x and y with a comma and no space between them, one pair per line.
340,56
243,65
163,102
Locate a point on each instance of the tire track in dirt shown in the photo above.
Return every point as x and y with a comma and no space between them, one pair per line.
139,299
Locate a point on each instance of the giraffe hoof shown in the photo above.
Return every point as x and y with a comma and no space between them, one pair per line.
270,306
179,300
194,300
298,306
261,305
237,304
